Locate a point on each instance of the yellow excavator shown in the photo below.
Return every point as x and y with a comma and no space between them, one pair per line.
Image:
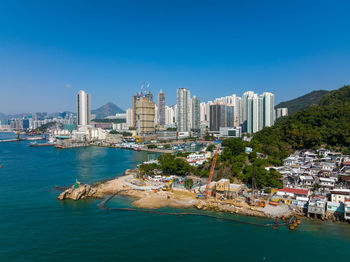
167,187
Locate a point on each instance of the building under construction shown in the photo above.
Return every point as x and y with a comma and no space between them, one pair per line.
144,93
145,115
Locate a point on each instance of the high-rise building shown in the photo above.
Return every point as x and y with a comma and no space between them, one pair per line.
221,116
169,116
161,108
268,109
257,111
196,123
145,115
134,100
83,108
183,116
250,111
280,112
217,117
129,117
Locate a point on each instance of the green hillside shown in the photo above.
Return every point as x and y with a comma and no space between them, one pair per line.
326,124
302,102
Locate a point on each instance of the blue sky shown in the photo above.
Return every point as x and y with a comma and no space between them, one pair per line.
49,50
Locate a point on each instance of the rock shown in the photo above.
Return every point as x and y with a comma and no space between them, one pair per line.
81,192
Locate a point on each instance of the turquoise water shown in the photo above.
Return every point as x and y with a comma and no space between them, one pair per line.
35,226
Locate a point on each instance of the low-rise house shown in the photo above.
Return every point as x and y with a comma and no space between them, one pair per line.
290,161
317,207
334,207
306,181
339,195
346,161
325,182
347,209
293,192
327,167
224,189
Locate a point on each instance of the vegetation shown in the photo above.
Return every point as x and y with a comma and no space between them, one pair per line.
183,154
188,183
327,124
151,146
47,126
172,165
235,164
302,102
208,137
104,120
171,129
148,169
211,148
124,133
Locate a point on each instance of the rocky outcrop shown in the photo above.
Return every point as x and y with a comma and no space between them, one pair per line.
81,192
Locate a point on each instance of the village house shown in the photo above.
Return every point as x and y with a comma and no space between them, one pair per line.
326,183
306,181
339,195
317,207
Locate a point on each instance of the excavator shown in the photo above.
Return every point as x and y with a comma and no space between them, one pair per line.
168,186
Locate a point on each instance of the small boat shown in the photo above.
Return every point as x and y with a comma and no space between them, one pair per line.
0,166
35,144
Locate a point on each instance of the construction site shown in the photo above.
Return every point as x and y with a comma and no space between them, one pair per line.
154,192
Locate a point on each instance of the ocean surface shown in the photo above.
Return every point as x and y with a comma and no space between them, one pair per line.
35,226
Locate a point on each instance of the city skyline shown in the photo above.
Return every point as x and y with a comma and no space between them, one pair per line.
286,49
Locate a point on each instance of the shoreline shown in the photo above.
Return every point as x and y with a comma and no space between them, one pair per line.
150,198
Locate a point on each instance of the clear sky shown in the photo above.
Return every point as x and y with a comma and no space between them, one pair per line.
49,50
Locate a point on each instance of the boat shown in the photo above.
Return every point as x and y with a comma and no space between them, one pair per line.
35,138
35,144
0,166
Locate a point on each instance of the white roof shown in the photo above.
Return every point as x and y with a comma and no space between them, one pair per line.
326,179
306,178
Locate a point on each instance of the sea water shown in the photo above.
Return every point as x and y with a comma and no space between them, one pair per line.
35,226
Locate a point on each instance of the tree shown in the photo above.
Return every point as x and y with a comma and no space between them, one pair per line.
233,147
148,169
188,183
211,148
174,166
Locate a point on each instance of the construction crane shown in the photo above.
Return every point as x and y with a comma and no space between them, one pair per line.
211,171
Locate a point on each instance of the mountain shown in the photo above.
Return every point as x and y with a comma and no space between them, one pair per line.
325,124
302,102
108,109
3,117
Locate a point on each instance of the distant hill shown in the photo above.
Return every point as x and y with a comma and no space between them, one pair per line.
325,124
3,117
108,109
294,105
